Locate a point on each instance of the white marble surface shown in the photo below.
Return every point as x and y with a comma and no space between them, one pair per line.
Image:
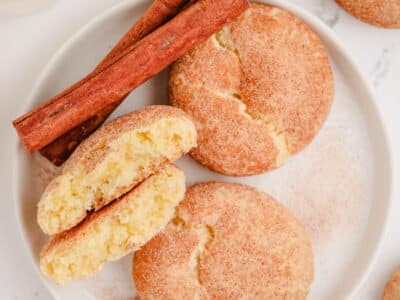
27,42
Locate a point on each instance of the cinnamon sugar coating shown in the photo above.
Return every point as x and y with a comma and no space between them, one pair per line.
227,241
382,13
258,91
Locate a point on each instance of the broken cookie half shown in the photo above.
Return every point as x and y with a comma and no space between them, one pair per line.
112,161
119,228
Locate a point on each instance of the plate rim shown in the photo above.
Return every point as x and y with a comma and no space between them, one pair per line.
300,12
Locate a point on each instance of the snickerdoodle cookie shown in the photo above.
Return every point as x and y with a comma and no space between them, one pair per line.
258,91
382,13
113,160
227,241
392,288
119,228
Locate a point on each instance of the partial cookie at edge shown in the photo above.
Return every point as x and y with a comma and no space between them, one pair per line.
392,287
382,13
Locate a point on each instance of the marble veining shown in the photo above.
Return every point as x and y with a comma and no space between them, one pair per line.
328,12
383,64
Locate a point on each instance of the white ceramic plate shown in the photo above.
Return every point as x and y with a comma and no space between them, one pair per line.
339,186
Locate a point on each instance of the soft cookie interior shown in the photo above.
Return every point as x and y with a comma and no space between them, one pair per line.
122,163
109,234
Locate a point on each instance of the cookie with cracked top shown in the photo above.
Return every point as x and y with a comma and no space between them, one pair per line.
258,91
227,241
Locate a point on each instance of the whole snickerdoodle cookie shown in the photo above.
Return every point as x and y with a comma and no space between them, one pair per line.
227,241
258,91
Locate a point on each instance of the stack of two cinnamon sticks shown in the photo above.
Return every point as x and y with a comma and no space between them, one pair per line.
167,30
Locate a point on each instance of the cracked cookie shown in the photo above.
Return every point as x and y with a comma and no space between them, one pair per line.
258,91
227,241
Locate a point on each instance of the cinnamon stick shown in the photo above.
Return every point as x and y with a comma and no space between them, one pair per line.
158,13
160,10
140,62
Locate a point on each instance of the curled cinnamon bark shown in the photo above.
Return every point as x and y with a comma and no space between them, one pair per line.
138,63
